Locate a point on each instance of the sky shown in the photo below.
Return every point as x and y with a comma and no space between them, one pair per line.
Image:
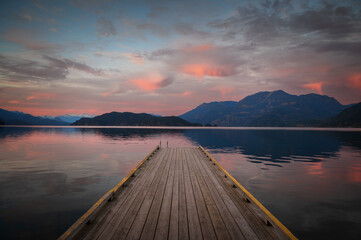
167,57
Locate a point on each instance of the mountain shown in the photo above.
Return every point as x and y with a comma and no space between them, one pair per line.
132,119
349,117
69,118
19,118
276,108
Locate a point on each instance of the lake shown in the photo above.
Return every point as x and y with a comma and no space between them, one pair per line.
310,179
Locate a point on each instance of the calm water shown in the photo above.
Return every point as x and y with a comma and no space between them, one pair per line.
309,179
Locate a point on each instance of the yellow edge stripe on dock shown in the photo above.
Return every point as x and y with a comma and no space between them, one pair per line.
268,213
87,216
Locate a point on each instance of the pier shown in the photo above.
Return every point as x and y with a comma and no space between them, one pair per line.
178,193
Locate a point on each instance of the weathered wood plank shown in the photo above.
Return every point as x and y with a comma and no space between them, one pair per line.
135,218
174,213
182,194
165,211
232,227
130,206
258,225
192,212
183,216
158,202
217,221
138,181
204,218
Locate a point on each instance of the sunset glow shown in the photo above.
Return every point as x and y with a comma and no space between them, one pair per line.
73,57
315,86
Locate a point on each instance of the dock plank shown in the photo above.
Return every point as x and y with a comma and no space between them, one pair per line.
159,201
183,217
242,223
174,213
204,217
181,193
100,224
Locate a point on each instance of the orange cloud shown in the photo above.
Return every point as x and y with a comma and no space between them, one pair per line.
205,69
151,82
355,80
145,84
41,95
315,86
14,101
224,90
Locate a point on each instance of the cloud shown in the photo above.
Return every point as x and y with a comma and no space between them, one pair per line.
200,60
151,82
41,95
19,70
27,39
224,90
201,70
65,63
317,86
106,28
14,69
354,81
187,29
267,21
136,58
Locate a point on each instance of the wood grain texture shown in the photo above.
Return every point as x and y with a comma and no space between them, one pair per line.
180,194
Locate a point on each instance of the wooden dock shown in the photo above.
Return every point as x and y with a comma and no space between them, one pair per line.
178,193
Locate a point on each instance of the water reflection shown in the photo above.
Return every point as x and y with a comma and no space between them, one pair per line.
310,180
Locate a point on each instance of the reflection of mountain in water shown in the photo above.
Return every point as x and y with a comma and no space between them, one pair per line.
21,131
112,133
123,133
276,145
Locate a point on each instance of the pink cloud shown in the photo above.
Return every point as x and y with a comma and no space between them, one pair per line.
200,70
224,90
315,86
41,95
151,82
355,81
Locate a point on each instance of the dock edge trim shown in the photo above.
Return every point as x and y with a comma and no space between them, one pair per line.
268,213
75,228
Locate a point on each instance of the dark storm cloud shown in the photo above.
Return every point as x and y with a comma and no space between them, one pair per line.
106,28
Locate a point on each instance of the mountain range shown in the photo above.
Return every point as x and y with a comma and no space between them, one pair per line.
68,118
263,109
350,117
132,119
269,109
19,118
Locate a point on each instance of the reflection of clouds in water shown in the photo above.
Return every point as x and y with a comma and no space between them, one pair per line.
284,169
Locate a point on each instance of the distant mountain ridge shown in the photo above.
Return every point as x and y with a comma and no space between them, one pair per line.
272,109
19,118
132,119
69,118
349,117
